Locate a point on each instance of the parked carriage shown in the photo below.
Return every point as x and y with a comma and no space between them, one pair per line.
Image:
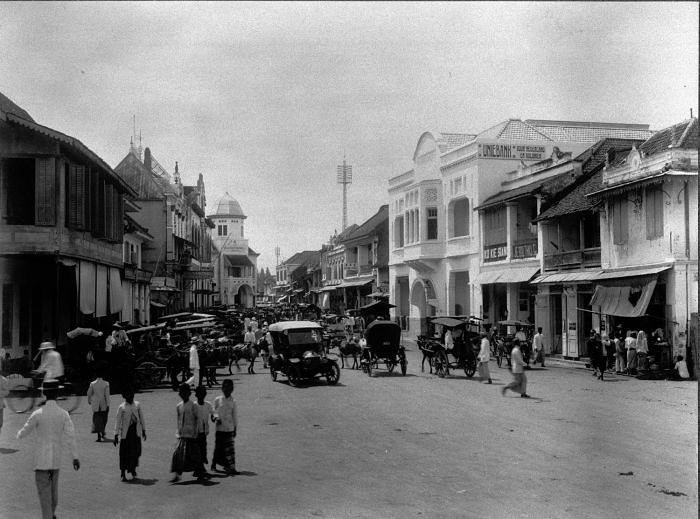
383,347
298,346
463,356
505,335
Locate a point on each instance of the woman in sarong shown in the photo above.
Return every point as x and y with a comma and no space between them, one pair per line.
188,455
131,427
226,425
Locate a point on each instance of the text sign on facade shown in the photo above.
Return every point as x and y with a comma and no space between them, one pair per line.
509,151
525,250
496,252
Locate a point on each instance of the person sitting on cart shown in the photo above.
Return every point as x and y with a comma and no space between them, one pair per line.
51,367
459,347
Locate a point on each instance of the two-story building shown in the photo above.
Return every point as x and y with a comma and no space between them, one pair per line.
435,234
235,263
295,277
331,296
366,262
649,239
61,227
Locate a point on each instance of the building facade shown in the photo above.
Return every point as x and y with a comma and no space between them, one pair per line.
235,263
61,227
436,237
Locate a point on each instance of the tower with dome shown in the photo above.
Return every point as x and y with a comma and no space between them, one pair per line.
235,263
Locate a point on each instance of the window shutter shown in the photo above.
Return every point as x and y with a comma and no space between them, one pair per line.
45,192
659,213
649,203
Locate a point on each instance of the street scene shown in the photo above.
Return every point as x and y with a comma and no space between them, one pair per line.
394,446
349,259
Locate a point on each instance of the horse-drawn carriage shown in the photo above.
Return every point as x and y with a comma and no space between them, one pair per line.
505,335
299,353
383,346
463,355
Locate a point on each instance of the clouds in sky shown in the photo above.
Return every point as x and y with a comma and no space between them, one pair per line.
265,98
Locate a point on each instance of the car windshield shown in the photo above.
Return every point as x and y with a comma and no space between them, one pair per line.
301,337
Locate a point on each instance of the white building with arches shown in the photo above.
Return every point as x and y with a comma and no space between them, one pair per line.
235,263
437,249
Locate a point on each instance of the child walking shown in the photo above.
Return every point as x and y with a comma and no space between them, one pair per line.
226,424
131,427
205,413
187,456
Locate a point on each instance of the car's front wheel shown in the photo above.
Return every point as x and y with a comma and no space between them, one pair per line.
333,374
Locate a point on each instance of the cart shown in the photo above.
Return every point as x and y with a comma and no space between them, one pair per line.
383,346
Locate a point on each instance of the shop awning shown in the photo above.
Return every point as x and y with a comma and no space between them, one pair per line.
633,272
487,277
354,283
517,275
329,289
238,260
568,277
624,301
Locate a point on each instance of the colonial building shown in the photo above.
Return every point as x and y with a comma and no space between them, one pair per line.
436,238
61,226
136,284
179,256
333,271
235,263
649,239
295,276
366,264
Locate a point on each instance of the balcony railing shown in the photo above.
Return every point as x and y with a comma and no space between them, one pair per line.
355,270
573,259
524,249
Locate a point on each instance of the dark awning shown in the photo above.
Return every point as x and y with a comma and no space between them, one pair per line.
238,260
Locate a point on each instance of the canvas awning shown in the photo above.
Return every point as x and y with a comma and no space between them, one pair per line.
623,301
354,283
568,277
238,260
601,275
507,275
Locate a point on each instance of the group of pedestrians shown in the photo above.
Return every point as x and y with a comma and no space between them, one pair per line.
53,427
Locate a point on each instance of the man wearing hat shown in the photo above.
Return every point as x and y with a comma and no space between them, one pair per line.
51,363
52,425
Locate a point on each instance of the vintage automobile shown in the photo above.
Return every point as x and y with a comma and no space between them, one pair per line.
299,353
383,346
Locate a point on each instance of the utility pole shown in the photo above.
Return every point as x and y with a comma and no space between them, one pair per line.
344,177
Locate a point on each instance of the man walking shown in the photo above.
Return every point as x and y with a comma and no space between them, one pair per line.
98,398
519,384
194,380
52,425
538,347
484,357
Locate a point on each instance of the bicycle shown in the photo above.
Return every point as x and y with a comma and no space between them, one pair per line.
23,397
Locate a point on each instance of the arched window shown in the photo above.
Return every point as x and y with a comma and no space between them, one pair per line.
458,217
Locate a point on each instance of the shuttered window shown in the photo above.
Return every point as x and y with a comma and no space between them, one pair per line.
619,220
109,212
654,212
78,201
45,192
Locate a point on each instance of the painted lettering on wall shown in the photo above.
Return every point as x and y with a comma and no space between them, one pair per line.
510,151
496,252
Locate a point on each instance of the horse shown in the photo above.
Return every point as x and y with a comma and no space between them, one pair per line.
349,349
425,346
243,351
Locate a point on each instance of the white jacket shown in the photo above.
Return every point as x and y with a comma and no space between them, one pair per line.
53,427
98,395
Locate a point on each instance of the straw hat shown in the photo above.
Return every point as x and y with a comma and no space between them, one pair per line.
47,345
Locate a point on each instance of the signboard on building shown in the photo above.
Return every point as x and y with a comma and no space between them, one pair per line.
525,250
505,150
495,252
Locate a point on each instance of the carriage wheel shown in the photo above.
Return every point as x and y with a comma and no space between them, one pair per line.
390,365
20,399
440,363
470,368
273,373
333,374
67,398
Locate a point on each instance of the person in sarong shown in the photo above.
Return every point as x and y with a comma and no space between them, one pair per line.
187,456
98,398
129,429
226,424
206,413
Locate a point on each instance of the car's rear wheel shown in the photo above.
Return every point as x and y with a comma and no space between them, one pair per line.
333,374
294,376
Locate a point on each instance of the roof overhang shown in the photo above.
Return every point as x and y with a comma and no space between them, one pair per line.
238,260
518,274
593,276
656,178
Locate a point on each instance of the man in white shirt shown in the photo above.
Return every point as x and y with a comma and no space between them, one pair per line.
484,357
53,426
538,347
194,364
51,363
519,384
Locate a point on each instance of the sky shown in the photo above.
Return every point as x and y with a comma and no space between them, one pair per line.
266,99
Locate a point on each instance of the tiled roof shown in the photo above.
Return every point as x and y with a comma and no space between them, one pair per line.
449,141
595,156
303,258
229,206
530,189
7,106
575,201
372,222
675,135
564,131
